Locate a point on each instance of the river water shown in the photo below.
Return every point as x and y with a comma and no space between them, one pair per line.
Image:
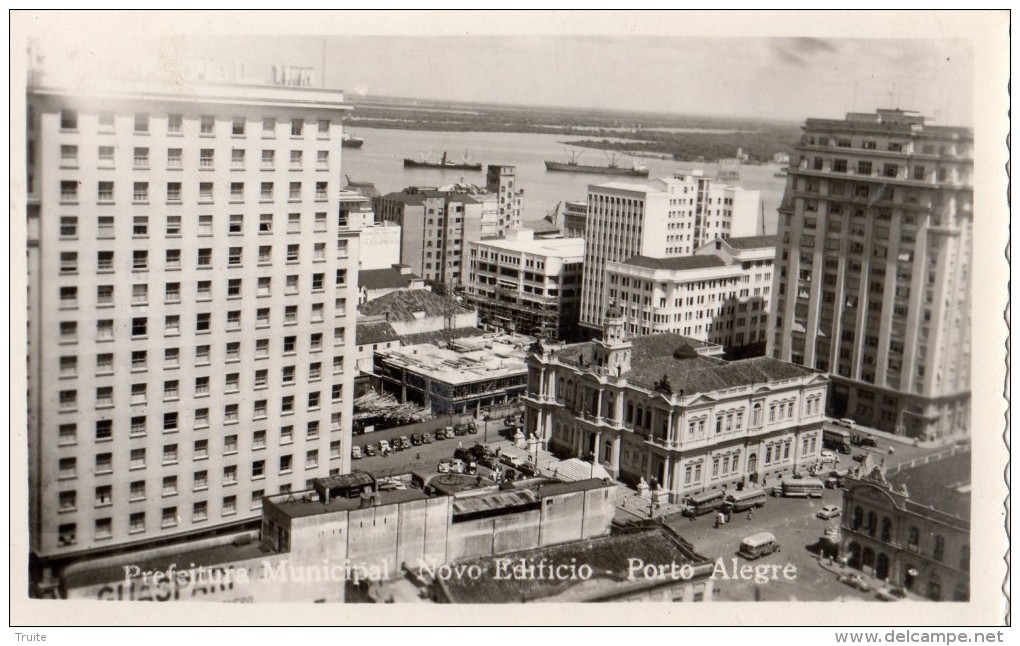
380,161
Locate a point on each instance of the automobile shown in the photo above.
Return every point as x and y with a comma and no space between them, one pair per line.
846,422
828,456
480,450
458,466
426,438
891,593
509,475
829,511
527,468
864,440
488,461
384,445
369,450
405,442
506,459
472,427
463,454
860,457
855,580
459,430
472,468
445,466
416,439
356,453
833,482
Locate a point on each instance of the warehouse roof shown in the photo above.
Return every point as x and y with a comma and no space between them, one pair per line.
410,305
385,278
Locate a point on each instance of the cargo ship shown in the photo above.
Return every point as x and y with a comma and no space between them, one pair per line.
572,166
350,141
443,163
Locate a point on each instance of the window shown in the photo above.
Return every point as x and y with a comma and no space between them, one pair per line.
68,297
237,127
323,128
141,123
230,444
169,517
286,463
233,351
256,498
69,155
104,495
259,409
234,320
68,262
237,159
202,322
313,400
206,158
140,260
140,228
105,192
140,192
104,363
294,223
104,227
286,437
104,430
266,223
106,121
334,449
229,505
268,159
170,454
320,222
232,382
137,490
261,348
337,392
67,534
138,393
138,425
292,284
287,404
205,258
269,127
321,190
939,549
68,120
173,293
314,371
230,414
201,450
258,440
297,127
234,256
170,486
230,475
104,330
237,191
200,511
172,325
319,251
290,315
294,191
174,123
205,193
296,157
136,522
266,191
202,355
106,161
204,289
139,326
141,158
317,281
173,226
68,434
315,341
236,224
139,360
201,417
207,124
67,468
312,459
69,191
322,160
137,459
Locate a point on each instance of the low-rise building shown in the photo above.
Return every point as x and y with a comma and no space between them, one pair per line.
603,569
720,294
376,283
911,526
415,311
654,407
528,285
469,374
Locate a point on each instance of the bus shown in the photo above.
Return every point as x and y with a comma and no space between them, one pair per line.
744,500
837,440
803,488
703,503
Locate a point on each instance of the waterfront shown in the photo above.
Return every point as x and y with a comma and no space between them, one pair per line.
381,161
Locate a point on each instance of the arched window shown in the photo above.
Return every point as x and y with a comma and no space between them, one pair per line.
886,528
858,518
872,523
913,538
756,415
772,413
939,551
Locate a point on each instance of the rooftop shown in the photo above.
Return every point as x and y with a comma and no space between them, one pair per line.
674,356
410,305
940,484
389,277
680,263
441,336
752,242
607,556
487,359
374,332
307,503
554,247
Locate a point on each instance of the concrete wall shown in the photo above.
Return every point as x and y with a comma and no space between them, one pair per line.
517,532
562,518
599,509
373,537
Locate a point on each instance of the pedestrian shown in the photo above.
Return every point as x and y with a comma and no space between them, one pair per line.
417,456
460,445
750,514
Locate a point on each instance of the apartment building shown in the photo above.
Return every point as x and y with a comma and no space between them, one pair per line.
873,269
659,407
500,180
528,285
192,299
719,295
436,225
662,218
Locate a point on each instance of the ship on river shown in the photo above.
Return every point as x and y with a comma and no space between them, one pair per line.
573,166
443,163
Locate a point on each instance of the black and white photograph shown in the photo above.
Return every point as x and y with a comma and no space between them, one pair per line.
422,309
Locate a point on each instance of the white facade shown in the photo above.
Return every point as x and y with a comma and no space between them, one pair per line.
719,295
662,218
191,319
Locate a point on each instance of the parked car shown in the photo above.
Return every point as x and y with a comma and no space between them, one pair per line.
829,511
458,466
445,466
828,456
833,482
860,457
369,450
507,459
864,440
891,593
527,468
488,461
416,439
855,580
480,450
426,438
444,433
384,446
460,430
472,468
405,442
356,453
463,454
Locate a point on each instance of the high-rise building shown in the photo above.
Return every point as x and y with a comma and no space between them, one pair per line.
662,218
192,298
500,179
718,295
872,276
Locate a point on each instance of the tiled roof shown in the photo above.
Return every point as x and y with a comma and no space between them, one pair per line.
439,336
656,355
752,242
375,332
385,278
676,264
402,305
943,484
607,556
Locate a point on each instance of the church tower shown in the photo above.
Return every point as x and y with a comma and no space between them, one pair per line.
613,351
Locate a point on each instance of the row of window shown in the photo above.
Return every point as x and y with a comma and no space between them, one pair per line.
207,124
206,158
69,226
140,193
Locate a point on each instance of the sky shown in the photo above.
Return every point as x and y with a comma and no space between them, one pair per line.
774,78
